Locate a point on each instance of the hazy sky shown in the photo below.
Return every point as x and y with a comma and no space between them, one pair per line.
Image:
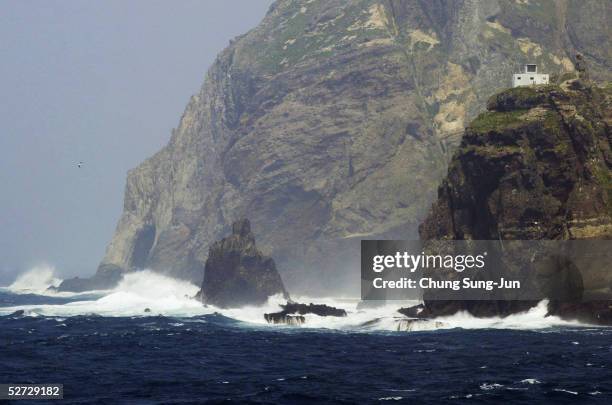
98,81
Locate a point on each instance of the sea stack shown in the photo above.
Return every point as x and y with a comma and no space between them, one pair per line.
237,273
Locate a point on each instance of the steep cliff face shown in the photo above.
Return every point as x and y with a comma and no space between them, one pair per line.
315,123
237,273
537,165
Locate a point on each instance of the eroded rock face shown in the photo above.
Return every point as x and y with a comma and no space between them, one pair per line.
315,123
237,273
537,165
538,171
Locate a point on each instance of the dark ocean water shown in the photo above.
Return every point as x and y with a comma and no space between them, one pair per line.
216,359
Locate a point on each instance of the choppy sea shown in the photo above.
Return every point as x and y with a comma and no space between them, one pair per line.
104,348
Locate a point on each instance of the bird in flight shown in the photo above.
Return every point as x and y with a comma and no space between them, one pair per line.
80,164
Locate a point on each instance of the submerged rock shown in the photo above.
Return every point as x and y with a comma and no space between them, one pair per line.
237,273
293,308
20,313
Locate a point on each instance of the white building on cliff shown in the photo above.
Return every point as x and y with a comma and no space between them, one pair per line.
529,77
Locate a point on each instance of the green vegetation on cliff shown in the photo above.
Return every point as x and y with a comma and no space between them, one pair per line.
333,121
539,164
496,121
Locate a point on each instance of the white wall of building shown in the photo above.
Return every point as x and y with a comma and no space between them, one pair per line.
528,79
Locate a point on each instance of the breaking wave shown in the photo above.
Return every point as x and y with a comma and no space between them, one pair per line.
534,318
137,292
37,280
146,293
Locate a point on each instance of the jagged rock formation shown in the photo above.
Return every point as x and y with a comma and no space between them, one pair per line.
315,123
237,273
293,313
537,165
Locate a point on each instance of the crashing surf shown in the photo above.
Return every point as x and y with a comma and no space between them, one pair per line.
146,293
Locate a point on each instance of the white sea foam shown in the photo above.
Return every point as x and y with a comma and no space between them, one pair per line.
386,317
566,391
381,317
36,280
171,297
535,318
489,387
136,292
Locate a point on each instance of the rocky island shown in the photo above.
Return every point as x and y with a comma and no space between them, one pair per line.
237,273
322,121
316,123
536,165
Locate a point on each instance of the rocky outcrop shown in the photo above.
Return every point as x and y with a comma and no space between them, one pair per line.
106,278
537,165
413,311
316,122
237,273
20,313
293,313
592,312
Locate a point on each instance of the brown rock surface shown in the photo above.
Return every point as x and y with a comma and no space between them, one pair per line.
316,122
537,165
237,273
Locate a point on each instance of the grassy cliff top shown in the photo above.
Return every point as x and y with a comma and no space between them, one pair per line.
517,106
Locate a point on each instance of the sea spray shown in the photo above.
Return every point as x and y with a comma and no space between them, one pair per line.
135,293
534,318
36,280
146,293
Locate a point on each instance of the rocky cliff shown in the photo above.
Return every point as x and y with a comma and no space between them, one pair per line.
315,123
537,165
237,273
